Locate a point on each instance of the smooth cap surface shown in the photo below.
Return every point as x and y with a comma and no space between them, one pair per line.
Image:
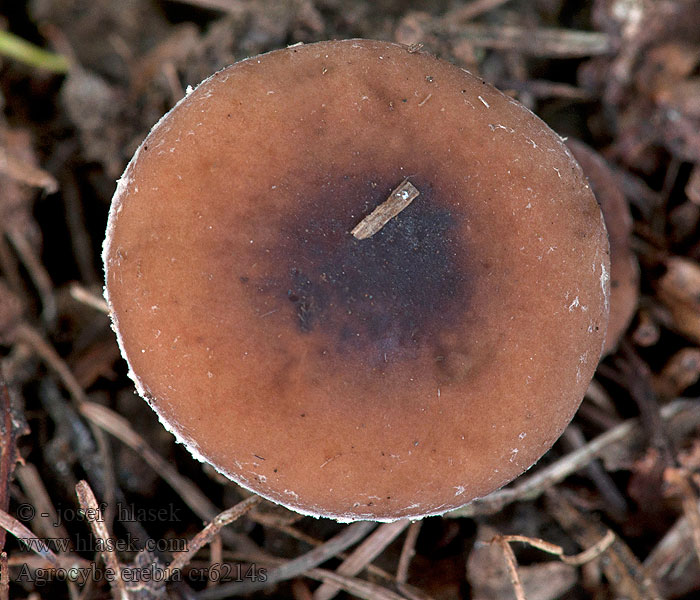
396,376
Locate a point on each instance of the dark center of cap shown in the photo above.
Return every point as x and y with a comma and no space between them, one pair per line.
380,298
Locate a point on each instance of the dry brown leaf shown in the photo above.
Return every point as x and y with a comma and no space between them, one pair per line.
679,290
679,373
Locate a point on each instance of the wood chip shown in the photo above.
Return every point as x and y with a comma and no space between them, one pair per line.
397,201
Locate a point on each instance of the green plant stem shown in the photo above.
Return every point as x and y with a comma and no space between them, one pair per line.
20,49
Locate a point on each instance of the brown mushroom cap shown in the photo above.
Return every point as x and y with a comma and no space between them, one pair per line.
397,376
624,268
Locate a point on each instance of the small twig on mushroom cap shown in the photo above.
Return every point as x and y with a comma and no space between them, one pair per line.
397,201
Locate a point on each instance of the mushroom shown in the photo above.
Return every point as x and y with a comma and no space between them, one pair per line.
624,268
400,374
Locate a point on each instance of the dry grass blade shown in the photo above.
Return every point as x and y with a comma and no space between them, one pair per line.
226,6
49,524
93,515
547,89
504,541
38,273
356,587
576,560
472,10
116,425
280,524
512,566
37,562
30,480
637,380
296,567
615,503
31,337
85,296
22,533
672,563
621,567
216,558
209,533
407,552
48,354
120,428
534,486
364,554
551,43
